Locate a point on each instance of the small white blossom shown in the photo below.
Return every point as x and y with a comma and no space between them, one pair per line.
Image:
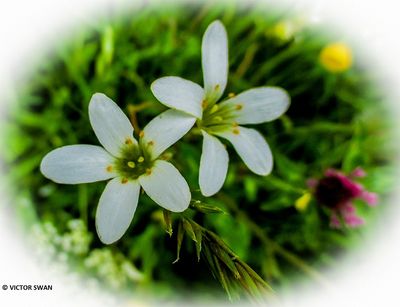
128,163
254,106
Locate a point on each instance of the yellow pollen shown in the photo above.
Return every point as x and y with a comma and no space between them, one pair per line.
214,109
235,125
151,143
148,171
141,134
236,131
204,104
217,87
239,107
128,141
231,95
124,180
131,164
109,168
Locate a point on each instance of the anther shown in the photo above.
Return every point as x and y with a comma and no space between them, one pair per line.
236,131
109,168
148,171
128,141
239,107
141,134
124,180
218,119
204,104
231,95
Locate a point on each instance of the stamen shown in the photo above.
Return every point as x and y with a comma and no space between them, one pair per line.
148,171
109,168
204,104
218,119
231,95
141,134
124,180
141,159
217,87
236,131
131,164
239,107
235,124
128,141
151,143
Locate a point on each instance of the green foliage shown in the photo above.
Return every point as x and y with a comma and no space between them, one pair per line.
234,275
335,120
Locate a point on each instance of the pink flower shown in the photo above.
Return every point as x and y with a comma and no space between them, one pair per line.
337,191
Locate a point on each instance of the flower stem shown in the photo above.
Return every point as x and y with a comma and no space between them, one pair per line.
133,110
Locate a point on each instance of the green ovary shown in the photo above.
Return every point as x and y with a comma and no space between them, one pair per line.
134,161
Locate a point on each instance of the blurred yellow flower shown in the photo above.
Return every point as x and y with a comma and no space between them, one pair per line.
336,57
282,30
302,202
285,30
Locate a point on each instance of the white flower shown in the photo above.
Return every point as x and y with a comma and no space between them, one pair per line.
129,163
254,106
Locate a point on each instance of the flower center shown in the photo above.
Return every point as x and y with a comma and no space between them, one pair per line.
133,162
217,117
331,192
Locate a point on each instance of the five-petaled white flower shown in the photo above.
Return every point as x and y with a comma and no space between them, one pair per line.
130,163
254,106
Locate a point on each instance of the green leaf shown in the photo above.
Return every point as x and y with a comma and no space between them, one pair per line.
227,260
168,221
247,281
199,238
231,229
222,277
189,229
204,208
180,235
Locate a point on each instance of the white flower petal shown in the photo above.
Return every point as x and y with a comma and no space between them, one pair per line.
116,208
110,124
259,105
213,165
180,94
166,129
77,164
166,186
214,51
251,147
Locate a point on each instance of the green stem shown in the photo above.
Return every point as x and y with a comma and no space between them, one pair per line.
247,61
